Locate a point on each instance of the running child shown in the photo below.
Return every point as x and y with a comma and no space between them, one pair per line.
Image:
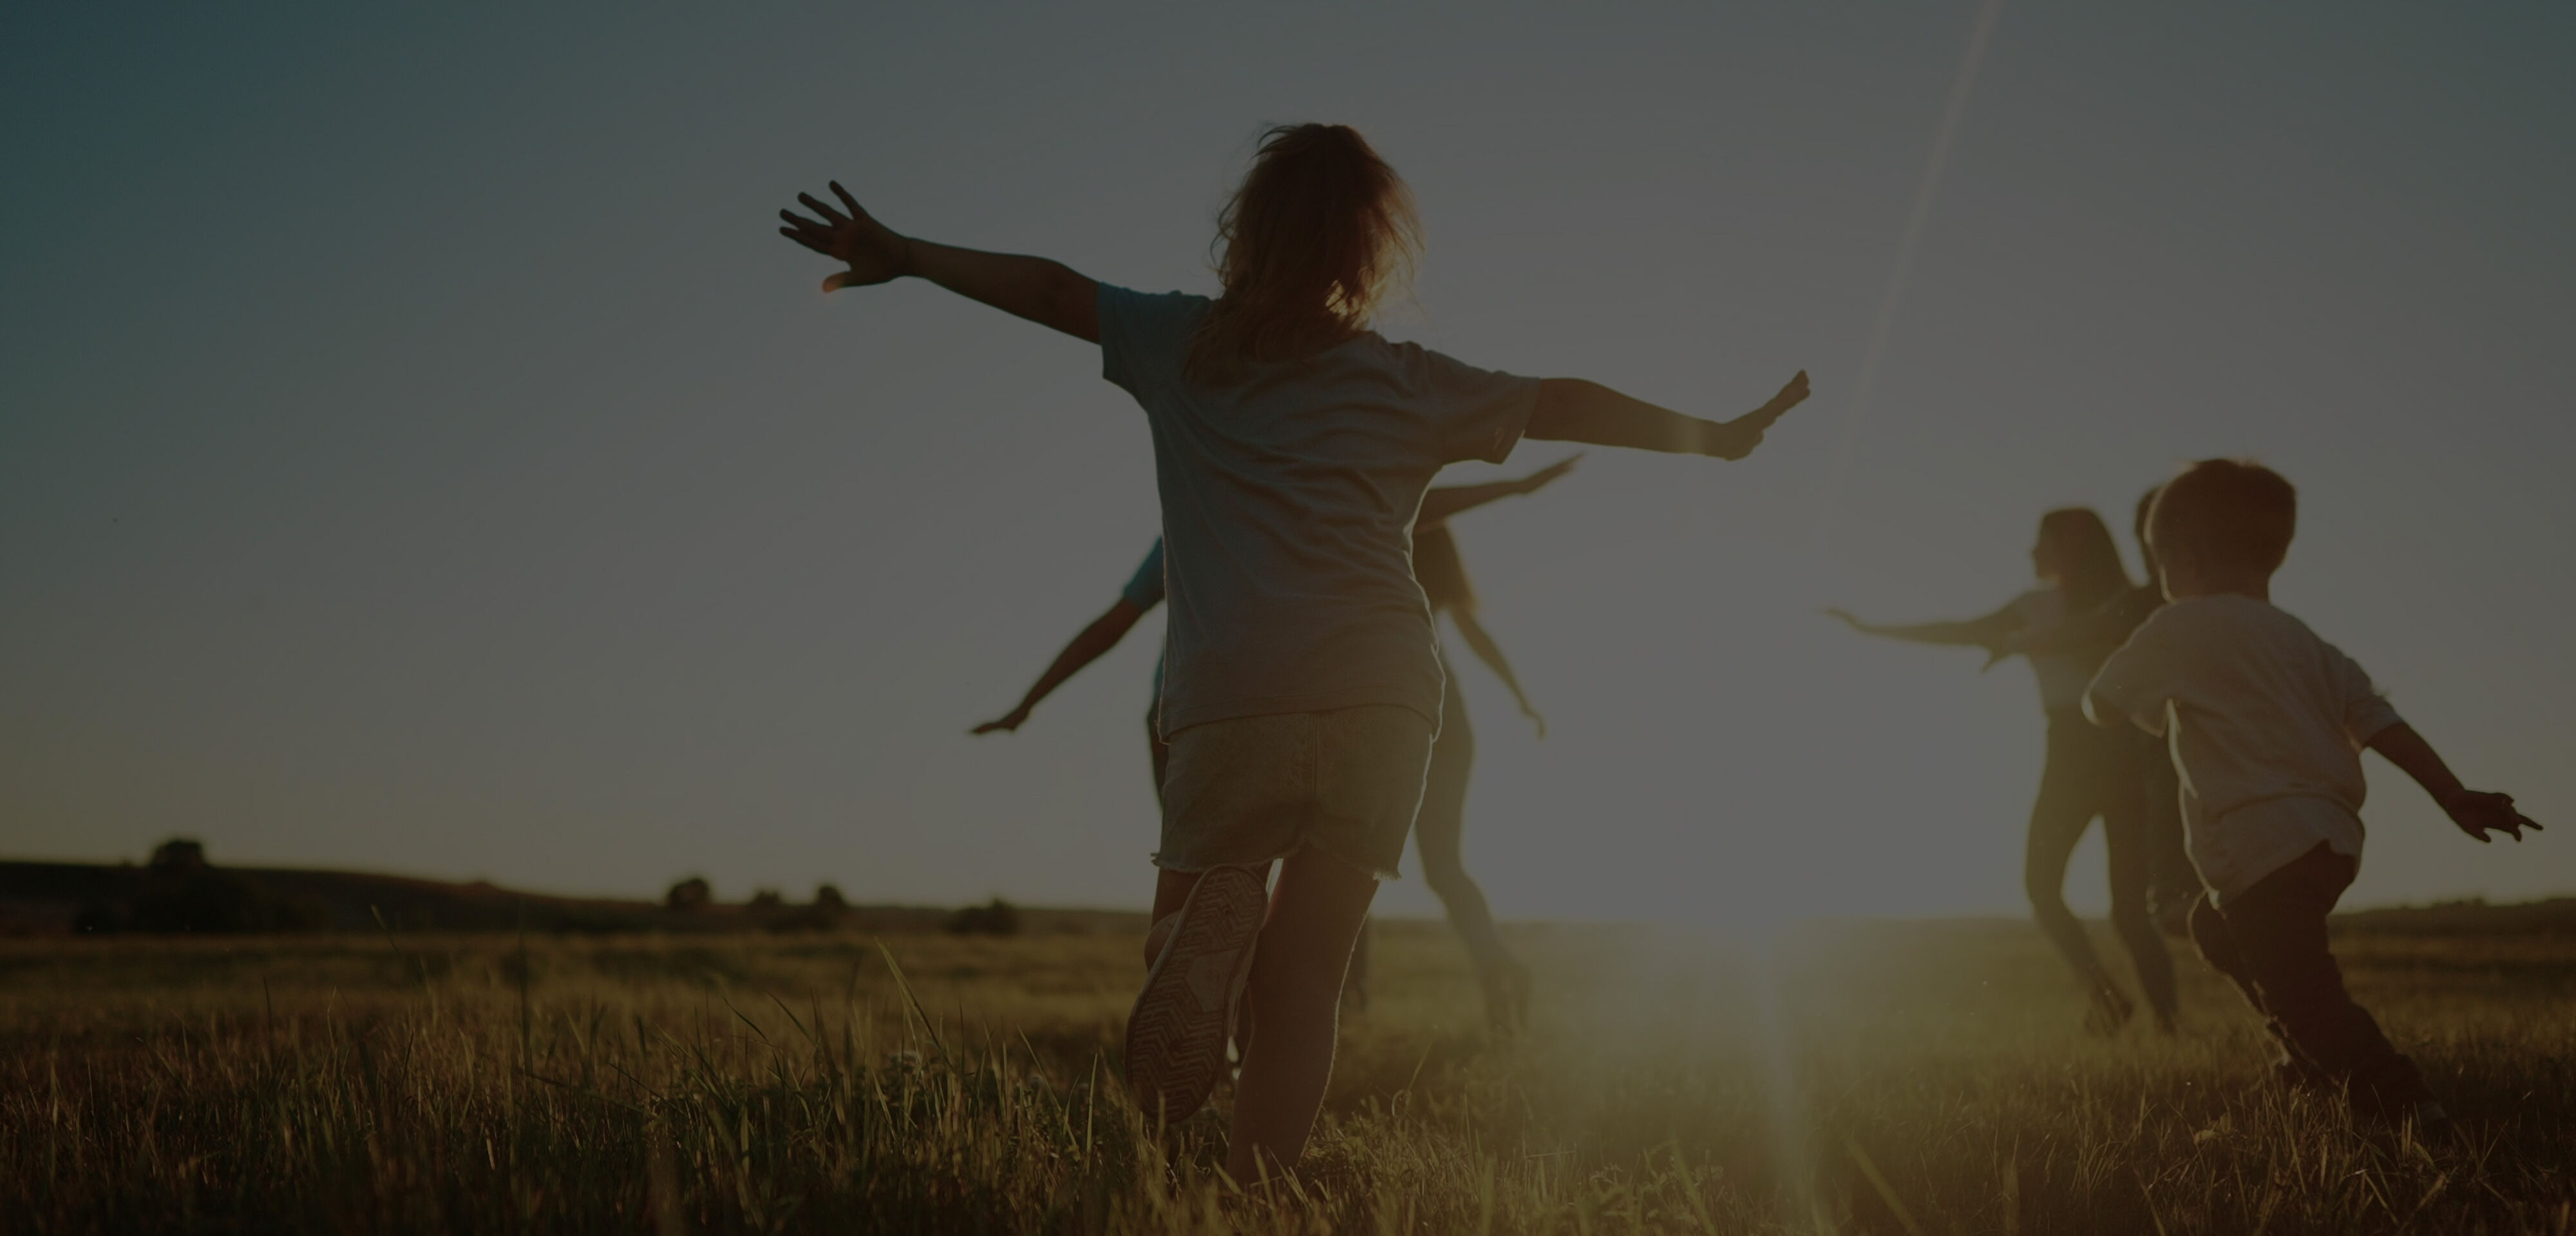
1439,825
2266,724
1292,446
2088,772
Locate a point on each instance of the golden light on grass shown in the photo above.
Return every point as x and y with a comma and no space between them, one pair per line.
1819,1077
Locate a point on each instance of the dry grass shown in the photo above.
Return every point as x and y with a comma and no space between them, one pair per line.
1856,1079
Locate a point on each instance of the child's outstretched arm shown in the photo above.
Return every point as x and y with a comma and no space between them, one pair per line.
1045,292
2475,812
1102,635
1993,632
1440,504
1573,410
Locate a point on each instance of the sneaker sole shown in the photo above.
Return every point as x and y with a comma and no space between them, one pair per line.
1176,1034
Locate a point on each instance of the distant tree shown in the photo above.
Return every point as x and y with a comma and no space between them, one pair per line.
829,897
767,899
997,918
689,894
179,854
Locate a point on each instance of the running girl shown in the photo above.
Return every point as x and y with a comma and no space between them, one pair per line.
1440,824
2090,771
1292,446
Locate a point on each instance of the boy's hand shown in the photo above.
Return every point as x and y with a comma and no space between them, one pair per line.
1007,724
1538,480
2478,813
874,252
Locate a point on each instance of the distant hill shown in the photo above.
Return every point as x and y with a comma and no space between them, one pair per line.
62,898
2556,916
165,895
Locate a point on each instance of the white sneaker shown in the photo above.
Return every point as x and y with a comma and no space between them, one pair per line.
1176,1034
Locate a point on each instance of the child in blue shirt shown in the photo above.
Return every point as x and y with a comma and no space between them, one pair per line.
1439,822
1292,446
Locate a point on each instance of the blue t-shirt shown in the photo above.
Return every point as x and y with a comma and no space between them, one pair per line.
1288,504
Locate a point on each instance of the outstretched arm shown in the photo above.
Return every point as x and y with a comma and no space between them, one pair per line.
1491,654
1991,632
1045,292
2476,813
1440,504
1102,635
1573,410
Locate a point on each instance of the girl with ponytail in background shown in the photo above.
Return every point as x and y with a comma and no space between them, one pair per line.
2090,771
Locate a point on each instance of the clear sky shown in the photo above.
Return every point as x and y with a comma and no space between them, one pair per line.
418,451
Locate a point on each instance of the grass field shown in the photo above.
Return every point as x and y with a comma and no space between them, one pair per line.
1862,1078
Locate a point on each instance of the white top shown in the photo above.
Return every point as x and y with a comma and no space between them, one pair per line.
2265,722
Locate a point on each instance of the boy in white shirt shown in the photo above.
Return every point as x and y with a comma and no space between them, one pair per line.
2266,723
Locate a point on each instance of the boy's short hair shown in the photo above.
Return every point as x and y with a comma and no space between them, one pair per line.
2232,514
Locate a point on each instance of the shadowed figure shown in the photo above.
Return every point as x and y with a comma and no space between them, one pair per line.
1440,828
1441,821
1292,447
2089,771
2173,883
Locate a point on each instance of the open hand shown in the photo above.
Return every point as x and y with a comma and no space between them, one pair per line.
1005,724
874,252
2479,813
1790,396
1736,439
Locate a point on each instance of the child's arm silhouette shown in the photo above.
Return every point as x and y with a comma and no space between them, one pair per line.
1439,504
1045,292
1102,635
1993,632
2475,812
1573,410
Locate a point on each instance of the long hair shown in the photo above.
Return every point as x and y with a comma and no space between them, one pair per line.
2138,529
1319,230
1442,574
2089,567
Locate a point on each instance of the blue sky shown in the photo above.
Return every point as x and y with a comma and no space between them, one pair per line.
418,451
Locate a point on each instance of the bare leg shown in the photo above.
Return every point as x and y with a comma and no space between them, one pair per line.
1438,833
1295,995
2068,798
2125,829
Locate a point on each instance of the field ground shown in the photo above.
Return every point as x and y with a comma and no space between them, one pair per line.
1852,1078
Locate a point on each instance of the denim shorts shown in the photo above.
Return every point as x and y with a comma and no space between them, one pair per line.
1252,789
